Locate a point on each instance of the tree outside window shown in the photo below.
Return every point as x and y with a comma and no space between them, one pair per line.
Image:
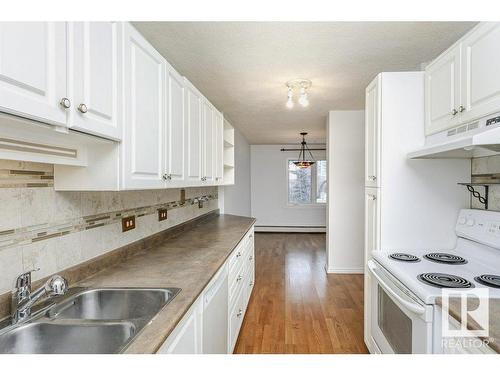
307,185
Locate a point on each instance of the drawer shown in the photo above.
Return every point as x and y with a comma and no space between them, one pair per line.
236,315
236,284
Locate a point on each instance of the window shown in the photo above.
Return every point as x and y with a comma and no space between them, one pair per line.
308,185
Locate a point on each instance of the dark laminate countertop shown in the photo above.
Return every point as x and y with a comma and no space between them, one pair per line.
187,261
493,339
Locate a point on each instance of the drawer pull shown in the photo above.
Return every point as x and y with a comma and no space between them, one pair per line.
240,312
238,254
251,283
251,257
239,278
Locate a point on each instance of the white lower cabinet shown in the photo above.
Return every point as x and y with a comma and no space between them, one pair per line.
186,338
190,336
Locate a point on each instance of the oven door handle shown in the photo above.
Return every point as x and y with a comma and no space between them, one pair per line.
413,307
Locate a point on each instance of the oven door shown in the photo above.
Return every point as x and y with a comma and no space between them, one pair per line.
400,323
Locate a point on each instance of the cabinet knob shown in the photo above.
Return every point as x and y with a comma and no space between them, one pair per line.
251,257
240,312
461,108
239,278
454,112
164,177
82,108
65,103
238,254
372,197
373,178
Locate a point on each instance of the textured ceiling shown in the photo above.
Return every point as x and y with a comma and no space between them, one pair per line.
242,67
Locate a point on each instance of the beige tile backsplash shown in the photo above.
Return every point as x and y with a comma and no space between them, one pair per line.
33,209
482,166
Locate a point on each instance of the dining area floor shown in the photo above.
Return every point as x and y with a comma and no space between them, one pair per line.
296,307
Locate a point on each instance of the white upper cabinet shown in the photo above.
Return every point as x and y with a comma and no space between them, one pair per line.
481,71
208,142
219,147
33,71
372,131
463,84
143,152
194,130
94,65
175,130
442,92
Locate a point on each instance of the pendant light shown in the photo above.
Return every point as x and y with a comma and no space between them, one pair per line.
302,162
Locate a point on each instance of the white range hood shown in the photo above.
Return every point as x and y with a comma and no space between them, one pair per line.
478,138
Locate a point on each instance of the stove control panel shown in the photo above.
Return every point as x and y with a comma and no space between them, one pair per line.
480,226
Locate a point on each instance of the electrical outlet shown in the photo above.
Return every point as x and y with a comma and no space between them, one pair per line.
162,214
128,223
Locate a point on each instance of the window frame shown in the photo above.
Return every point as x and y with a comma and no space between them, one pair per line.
314,188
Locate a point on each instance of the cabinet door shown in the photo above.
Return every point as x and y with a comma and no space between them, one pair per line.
194,130
33,70
208,143
480,72
372,134
219,147
144,115
187,335
94,64
442,92
174,137
372,221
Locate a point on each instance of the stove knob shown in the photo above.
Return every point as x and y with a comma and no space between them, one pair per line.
471,222
462,220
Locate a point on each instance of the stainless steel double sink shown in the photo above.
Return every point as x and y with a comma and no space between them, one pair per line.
88,321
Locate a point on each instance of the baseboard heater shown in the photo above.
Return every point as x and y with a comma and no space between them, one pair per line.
293,229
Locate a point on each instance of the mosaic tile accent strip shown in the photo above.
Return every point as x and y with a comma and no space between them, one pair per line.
14,174
41,232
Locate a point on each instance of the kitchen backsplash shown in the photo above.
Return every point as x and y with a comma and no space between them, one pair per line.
42,228
487,168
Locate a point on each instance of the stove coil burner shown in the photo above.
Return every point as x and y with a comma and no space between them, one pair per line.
445,258
404,257
443,280
489,280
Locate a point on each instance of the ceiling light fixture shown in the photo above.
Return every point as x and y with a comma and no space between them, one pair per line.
289,102
298,84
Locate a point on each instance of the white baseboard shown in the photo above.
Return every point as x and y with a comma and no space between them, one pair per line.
290,229
357,270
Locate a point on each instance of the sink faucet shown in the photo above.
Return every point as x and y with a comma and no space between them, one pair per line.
23,298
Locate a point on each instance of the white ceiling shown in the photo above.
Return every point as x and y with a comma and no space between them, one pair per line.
242,67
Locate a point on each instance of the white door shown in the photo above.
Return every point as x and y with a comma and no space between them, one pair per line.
219,147
372,131
194,130
174,137
442,92
33,70
144,83
208,143
94,64
480,72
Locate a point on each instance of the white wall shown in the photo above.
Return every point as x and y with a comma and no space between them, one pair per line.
236,198
269,191
345,228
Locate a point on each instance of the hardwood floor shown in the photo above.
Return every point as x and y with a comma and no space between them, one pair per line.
295,306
